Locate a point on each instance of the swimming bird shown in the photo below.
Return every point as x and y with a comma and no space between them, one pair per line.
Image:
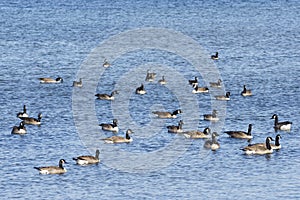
140,90
241,134
284,126
107,96
176,129
275,146
216,84
50,80
197,134
223,98
106,63
212,144
211,117
150,76
24,113
85,160
198,89
215,57
119,139
258,148
77,83
194,82
110,127
246,92
162,81
31,120
53,169
21,129
161,114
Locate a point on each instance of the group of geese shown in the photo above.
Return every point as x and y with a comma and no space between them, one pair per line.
80,160
21,130
213,144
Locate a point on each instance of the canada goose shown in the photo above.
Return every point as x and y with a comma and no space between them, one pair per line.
223,98
277,144
162,81
284,126
50,80
31,120
216,84
161,114
85,160
259,149
241,134
197,134
21,129
140,90
211,117
176,129
106,63
77,83
53,169
215,57
246,92
24,113
212,144
194,82
119,139
107,96
110,127
150,76
198,89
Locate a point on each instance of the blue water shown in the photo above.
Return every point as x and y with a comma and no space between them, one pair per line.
258,45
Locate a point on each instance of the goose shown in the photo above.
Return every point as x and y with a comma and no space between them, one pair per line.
215,57
241,134
23,114
197,134
216,84
110,127
150,76
31,120
21,129
198,89
53,169
246,92
119,139
284,126
212,144
106,64
211,117
77,83
85,160
258,148
50,80
162,81
223,98
176,129
140,90
275,146
194,82
107,96
161,114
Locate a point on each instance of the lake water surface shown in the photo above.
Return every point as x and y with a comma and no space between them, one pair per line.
258,45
